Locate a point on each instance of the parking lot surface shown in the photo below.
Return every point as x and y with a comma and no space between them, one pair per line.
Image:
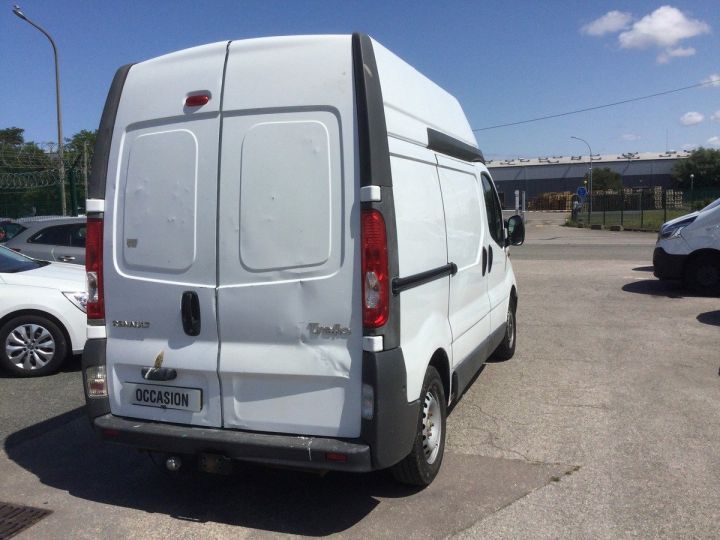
604,425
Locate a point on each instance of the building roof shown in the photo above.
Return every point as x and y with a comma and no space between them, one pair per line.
607,158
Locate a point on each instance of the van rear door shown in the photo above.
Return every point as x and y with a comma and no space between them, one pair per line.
289,286
160,241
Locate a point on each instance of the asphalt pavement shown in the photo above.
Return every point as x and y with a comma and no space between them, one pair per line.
605,424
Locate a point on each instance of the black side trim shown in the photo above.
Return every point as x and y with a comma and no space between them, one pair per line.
403,284
101,152
94,355
391,432
374,166
468,369
445,144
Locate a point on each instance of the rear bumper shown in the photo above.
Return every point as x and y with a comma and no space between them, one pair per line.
274,449
383,441
667,266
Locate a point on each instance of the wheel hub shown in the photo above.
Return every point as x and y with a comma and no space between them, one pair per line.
30,347
432,431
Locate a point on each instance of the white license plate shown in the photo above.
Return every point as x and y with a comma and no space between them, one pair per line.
163,397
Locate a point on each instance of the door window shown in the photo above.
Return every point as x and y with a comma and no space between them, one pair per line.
56,236
494,212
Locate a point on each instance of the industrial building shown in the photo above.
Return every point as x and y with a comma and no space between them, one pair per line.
562,173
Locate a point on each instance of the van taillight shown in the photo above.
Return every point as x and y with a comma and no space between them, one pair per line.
375,282
94,268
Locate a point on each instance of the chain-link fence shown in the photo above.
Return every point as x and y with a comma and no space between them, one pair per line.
30,180
642,209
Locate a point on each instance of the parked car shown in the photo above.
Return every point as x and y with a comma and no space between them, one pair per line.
318,293
688,248
42,313
52,239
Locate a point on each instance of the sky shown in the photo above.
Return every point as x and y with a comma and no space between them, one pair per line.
506,61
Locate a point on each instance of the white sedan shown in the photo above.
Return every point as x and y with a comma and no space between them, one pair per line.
42,313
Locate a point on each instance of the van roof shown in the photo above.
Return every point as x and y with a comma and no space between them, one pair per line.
413,103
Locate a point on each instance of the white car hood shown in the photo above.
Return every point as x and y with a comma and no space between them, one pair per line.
680,218
60,276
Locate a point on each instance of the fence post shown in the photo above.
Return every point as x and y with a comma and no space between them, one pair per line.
73,192
622,206
664,200
641,208
604,200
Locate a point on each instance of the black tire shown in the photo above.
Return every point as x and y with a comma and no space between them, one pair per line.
506,349
34,342
421,465
702,274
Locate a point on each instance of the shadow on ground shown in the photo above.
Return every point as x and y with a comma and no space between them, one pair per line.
710,317
667,289
644,269
468,488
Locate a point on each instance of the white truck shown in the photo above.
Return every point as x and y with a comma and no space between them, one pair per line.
296,256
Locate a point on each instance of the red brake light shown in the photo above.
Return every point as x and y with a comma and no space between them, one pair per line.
375,282
197,100
94,268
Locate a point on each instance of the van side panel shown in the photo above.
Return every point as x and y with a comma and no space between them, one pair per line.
422,246
160,236
466,229
289,287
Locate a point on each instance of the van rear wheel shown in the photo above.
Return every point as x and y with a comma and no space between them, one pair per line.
421,465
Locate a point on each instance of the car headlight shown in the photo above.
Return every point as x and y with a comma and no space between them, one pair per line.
79,299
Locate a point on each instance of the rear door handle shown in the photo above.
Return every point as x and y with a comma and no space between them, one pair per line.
484,261
490,259
190,309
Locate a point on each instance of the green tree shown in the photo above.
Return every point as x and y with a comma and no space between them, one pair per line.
704,164
605,179
77,143
12,136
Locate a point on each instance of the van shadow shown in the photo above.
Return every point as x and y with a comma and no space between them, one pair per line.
644,269
656,287
72,459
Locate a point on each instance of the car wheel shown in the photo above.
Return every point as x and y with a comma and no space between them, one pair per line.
703,274
506,349
31,346
421,465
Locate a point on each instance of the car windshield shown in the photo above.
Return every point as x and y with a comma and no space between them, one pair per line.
11,262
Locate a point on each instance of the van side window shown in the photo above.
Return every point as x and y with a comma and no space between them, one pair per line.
494,212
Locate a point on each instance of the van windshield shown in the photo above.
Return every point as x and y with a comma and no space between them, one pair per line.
712,205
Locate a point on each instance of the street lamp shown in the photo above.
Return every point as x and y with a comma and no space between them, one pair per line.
16,10
589,150
692,194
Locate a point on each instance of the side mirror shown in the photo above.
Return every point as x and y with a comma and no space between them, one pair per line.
516,231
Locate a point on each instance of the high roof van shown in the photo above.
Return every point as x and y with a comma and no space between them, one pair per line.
688,248
296,256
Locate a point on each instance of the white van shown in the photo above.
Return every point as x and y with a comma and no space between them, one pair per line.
688,248
296,256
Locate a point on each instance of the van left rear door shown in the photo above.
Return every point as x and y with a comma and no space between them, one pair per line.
160,235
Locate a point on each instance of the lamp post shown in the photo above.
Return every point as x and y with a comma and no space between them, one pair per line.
692,194
589,150
61,168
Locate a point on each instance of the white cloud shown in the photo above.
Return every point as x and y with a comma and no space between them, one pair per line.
715,117
712,80
714,141
665,57
630,137
613,21
665,27
691,118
